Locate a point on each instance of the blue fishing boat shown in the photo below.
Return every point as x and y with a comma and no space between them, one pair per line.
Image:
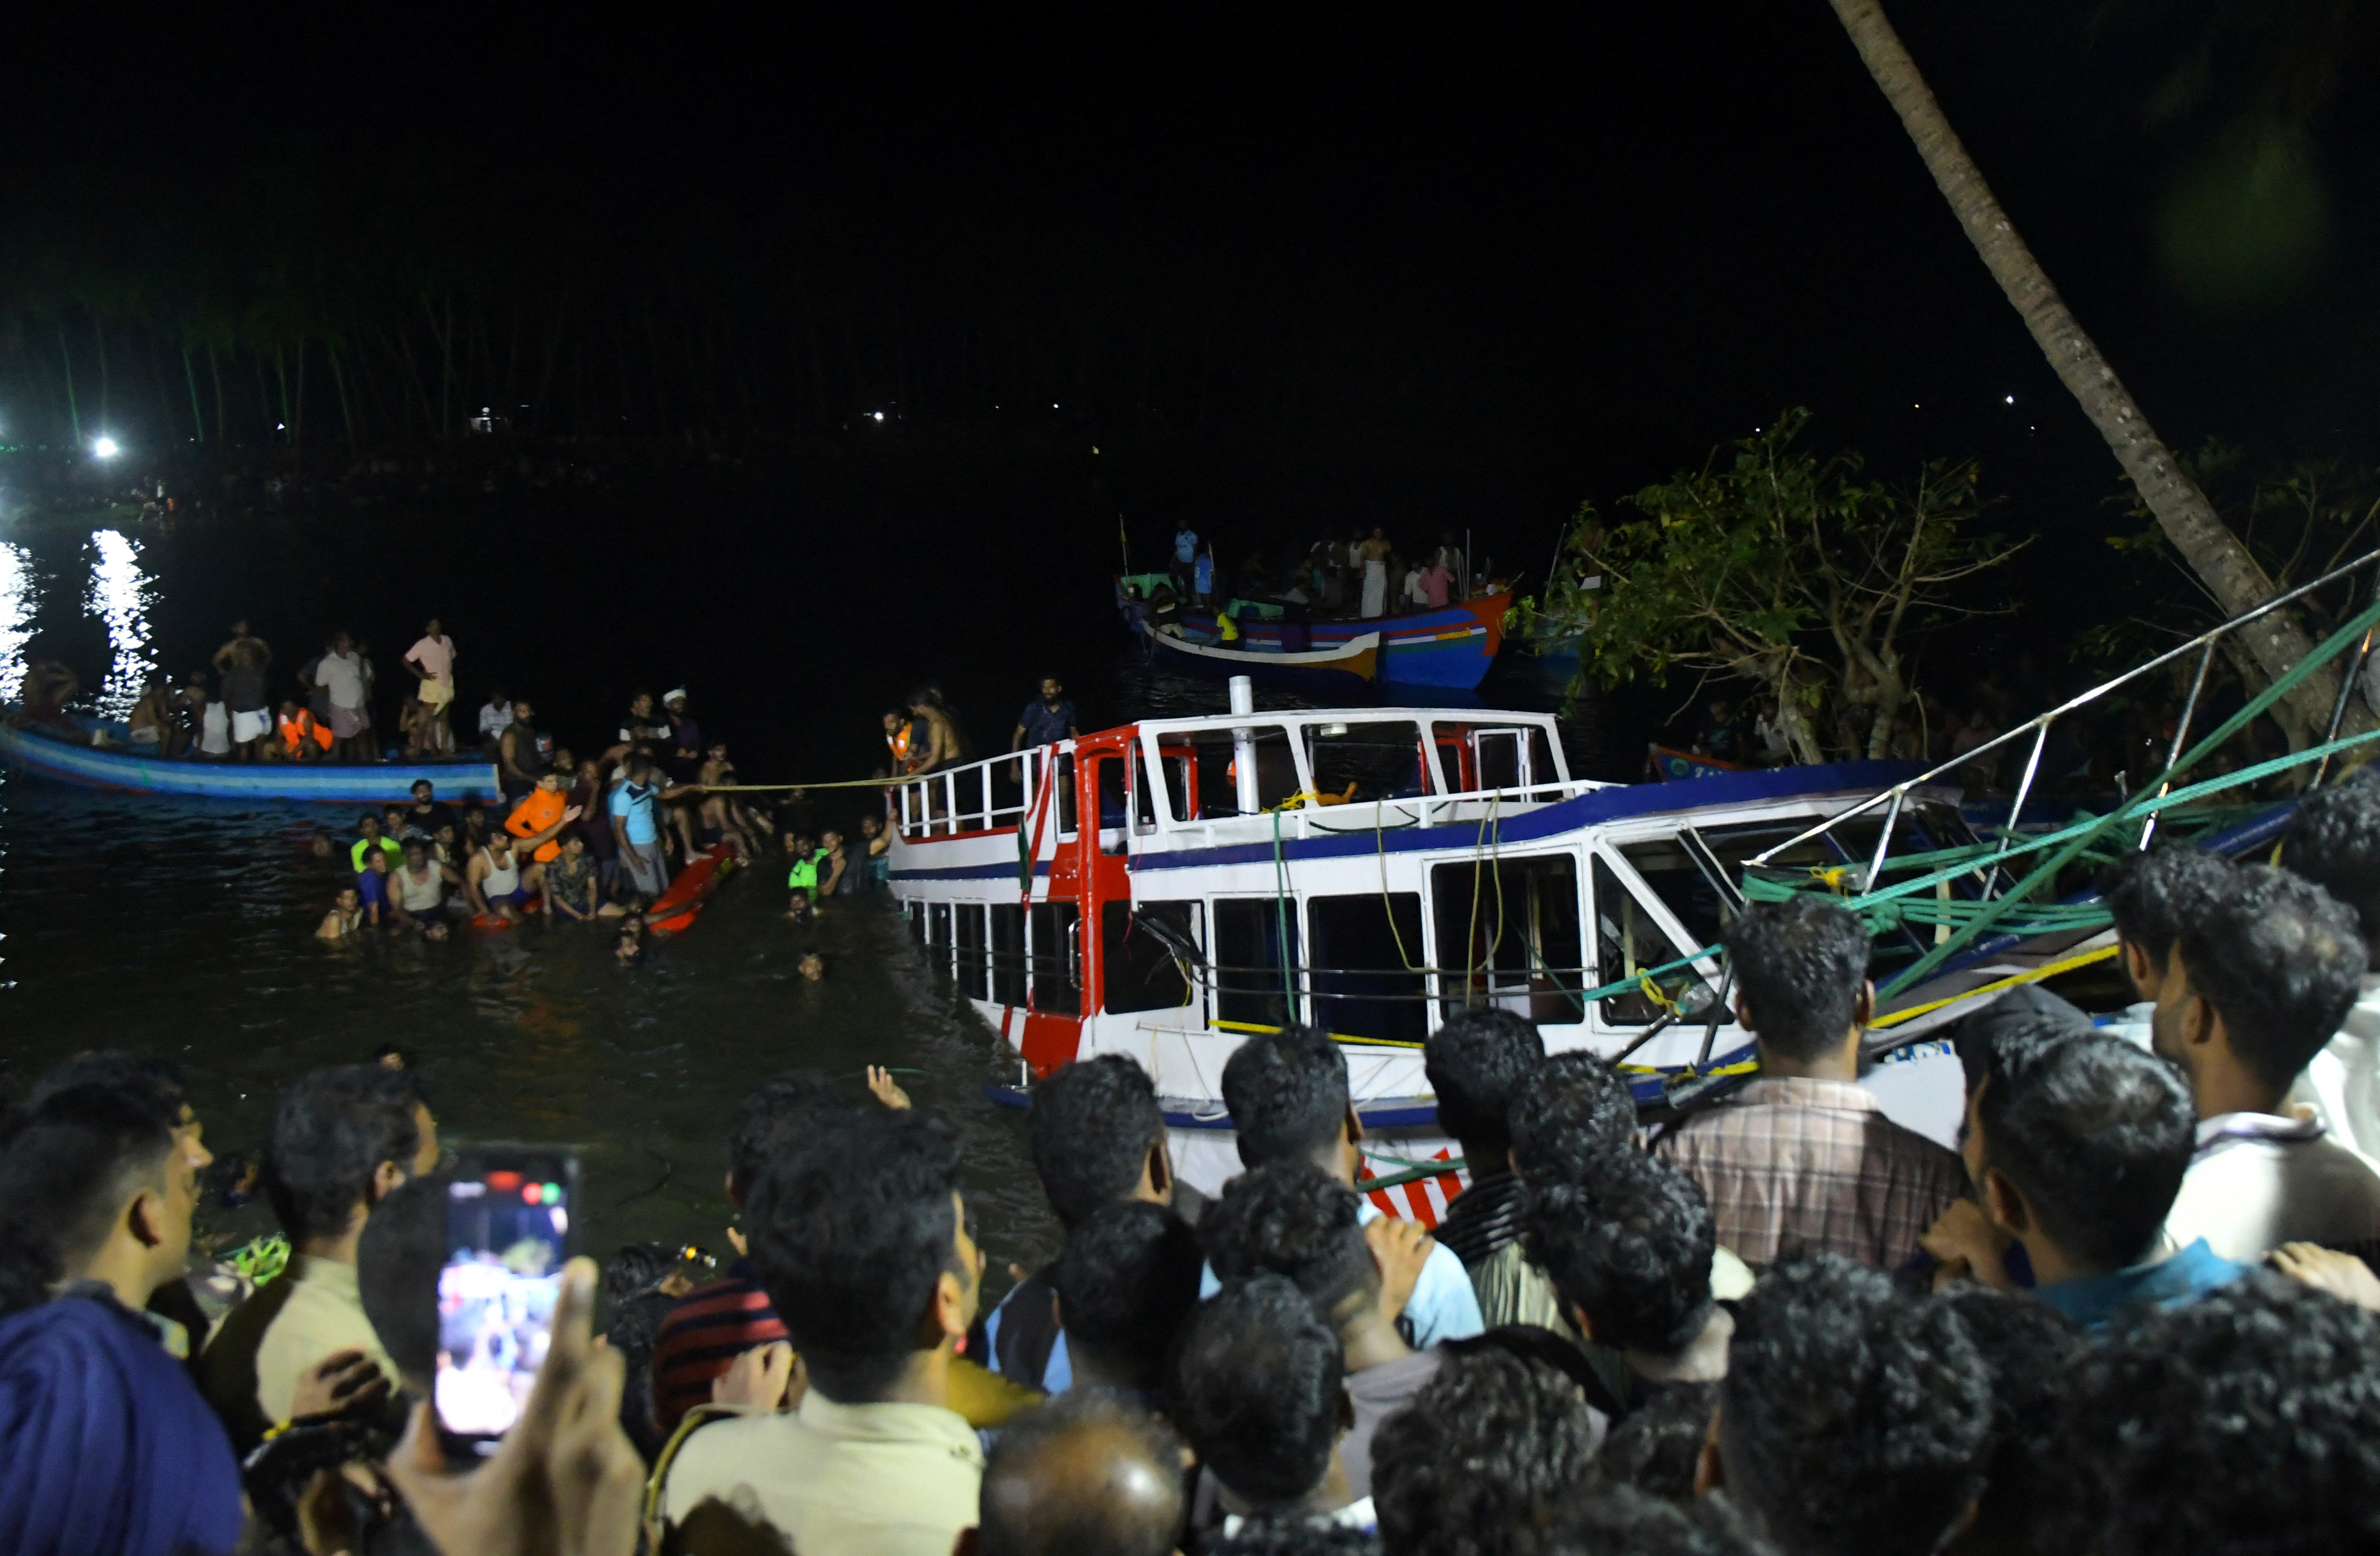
1333,671
125,769
1450,646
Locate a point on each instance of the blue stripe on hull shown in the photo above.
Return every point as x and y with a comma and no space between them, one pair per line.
114,769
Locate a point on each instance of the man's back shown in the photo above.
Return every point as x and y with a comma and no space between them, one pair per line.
838,1479
1799,1165
2258,1181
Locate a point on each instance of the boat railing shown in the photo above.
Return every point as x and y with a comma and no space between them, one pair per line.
974,797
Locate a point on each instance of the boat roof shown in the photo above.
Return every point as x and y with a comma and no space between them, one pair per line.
1501,717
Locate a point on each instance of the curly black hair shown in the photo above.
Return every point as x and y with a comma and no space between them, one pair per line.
2030,1349
1294,1536
2096,1133
1089,1471
1801,964
850,1228
66,1169
1260,1391
1296,1220
1477,1064
1627,1239
1573,1107
2244,1423
1619,1521
1480,1457
1657,1446
1127,1281
2279,960
2334,841
332,1130
2148,894
784,1106
1287,1094
140,1078
1853,1418
1092,1127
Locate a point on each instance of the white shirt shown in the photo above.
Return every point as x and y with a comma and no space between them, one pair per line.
495,718
2342,1084
343,676
2259,1180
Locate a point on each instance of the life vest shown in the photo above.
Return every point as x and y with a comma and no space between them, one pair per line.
541,810
900,744
295,732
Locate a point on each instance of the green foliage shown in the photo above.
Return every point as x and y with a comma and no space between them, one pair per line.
1779,566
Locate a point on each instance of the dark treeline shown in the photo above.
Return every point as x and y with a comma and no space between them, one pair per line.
307,302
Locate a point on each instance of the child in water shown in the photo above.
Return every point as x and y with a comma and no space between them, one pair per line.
631,948
812,968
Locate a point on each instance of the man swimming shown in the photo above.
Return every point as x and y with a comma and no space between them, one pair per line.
242,663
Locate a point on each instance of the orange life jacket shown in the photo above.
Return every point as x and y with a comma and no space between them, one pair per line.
541,810
296,731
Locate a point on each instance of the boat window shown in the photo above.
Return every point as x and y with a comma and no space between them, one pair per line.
1373,761
1509,935
966,936
1247,961
1062,774
1107,781
1057,957
917,923
1144,800
1628,944
1500,758
1008,953
1137,966
1218,786
1369,979
938,936
1462,774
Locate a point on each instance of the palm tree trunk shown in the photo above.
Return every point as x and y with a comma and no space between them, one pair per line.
2182,512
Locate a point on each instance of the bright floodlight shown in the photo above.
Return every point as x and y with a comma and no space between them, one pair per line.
104,448
880,416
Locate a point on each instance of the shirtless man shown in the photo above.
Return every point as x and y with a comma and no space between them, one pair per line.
723,817
939,746
242,663
153,717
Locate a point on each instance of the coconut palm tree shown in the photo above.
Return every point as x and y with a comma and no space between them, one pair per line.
2182,512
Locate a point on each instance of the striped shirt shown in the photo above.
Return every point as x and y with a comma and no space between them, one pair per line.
1793,1165
702,1334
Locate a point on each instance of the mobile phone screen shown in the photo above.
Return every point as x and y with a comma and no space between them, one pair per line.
507,1238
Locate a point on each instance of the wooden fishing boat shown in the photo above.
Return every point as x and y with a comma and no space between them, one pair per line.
1336,670
1453,645
126,769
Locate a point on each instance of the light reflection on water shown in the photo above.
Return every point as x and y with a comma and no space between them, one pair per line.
16,614
122,594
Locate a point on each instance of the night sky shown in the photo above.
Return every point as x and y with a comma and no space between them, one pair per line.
1493,261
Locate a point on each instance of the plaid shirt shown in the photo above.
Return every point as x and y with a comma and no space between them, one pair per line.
1815,1165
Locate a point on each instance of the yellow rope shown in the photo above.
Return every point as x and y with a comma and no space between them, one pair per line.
2050,971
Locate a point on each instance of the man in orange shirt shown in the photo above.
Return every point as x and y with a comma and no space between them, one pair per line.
538,819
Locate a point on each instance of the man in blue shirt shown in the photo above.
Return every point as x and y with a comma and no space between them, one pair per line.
1185,555
1287,1094
1048,718
634,826
2076,1143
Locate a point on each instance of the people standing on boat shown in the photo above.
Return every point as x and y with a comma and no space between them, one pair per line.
340,673
431,660
1803,1157
1374,552
212,717
1437,583
153,715
496,717
1202,578
900,734
242,663
418,903
1185,555
941,742
1047,719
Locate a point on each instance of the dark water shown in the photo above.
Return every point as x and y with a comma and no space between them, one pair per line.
183,927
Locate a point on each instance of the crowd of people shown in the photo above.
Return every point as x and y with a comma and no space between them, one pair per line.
2130,1313
1364,574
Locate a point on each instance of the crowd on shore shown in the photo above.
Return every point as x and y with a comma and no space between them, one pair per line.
2132,1313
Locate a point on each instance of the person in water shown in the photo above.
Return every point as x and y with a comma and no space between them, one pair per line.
427,813
371,836
1049,719
418,892
346,915
833,862
630,947
372,887
571,887
802,883
496,882
242,663
811,969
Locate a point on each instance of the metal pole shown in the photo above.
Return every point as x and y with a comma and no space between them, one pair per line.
2024,787
1884,841
2346,687
2181,736
1243,747
1719,1014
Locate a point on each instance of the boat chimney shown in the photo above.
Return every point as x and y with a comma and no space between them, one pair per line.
1244,746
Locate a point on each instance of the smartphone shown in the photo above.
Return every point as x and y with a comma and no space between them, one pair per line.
512,1215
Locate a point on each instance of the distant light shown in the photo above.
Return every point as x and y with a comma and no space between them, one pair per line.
880,416
104,447
1053,404
1916,407
2011,399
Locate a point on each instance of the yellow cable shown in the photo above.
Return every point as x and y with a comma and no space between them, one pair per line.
2050,971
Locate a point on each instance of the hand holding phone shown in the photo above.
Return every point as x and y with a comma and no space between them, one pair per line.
508,1235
